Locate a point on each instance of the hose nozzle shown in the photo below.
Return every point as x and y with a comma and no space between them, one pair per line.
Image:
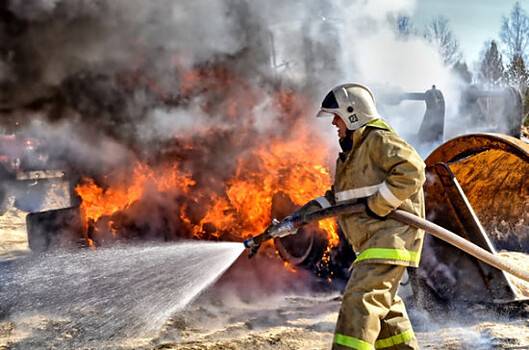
276,229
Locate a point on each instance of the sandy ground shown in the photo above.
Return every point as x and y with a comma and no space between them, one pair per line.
307,322
237,314
13,236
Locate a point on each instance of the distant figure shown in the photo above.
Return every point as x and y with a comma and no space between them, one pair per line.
432,126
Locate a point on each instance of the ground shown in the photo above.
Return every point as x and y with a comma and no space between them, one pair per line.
225,317
307,322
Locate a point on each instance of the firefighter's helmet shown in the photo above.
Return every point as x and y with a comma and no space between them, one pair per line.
354,103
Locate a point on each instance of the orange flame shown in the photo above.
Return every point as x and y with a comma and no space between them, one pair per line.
97,202
293,162
293,167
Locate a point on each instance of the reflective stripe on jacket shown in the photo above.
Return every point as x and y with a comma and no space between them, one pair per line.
387,170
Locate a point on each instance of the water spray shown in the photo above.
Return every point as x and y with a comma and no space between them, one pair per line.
114,293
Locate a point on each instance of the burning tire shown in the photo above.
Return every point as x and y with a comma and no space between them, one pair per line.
304,249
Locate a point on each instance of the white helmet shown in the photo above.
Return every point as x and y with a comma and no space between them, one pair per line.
354,103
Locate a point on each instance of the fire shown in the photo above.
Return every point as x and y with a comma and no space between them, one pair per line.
289,267
97,202
289,157
293,166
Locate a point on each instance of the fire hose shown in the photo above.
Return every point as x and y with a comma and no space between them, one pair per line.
290,225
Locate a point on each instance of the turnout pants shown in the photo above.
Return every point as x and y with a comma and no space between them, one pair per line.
372,314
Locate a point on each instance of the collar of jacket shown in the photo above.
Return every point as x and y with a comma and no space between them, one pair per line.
380,123
361,133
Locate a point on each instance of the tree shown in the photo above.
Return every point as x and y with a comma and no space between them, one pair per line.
461,69
439,32
514,33
517,73
404,26
491,71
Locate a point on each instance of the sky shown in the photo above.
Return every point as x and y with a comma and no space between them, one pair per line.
473,22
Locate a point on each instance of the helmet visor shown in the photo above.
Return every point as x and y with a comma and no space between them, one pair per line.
324,114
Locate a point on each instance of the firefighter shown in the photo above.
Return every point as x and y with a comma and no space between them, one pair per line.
379,169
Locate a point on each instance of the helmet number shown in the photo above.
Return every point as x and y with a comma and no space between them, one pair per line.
353,118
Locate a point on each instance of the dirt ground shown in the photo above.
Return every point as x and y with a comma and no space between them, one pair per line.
307,322
239,315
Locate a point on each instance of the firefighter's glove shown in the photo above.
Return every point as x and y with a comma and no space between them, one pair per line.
369,211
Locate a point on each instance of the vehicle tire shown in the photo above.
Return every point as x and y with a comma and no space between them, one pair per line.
306,247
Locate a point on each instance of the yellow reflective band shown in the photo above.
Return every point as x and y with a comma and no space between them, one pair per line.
381,124
352,342
395,340
391,254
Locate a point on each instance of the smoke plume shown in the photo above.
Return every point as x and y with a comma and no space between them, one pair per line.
201,86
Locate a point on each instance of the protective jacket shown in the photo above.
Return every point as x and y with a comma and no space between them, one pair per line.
387,171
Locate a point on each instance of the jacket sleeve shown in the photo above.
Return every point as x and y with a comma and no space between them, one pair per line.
322,202
404,169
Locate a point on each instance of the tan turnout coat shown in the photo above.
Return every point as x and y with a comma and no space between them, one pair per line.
387,170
